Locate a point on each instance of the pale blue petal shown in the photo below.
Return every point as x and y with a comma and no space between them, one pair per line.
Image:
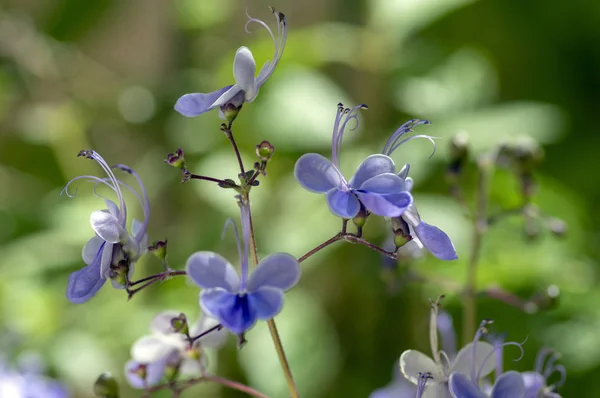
316,173
386,205
112,207
383,183
154,374
107,258
534,382
461,387
244,70
509,385
211,270
266,302
343,203
436,241
370,167
84,284
195,104
230,96
232,310
106,226
279,270
403,173
91,249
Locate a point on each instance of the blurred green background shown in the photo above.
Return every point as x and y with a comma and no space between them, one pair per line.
105,74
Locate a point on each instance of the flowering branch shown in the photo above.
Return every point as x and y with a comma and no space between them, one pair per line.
179,387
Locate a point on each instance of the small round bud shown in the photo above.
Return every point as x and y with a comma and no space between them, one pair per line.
106,386
361,218
159,249
265,151
230,111
180,324
176,159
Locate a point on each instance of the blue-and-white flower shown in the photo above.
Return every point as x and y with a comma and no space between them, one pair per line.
475,355
246,85
536,384
375,184
29,383
112,247
238,302
167,347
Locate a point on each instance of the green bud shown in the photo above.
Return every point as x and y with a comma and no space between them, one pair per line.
401,232
176,159
265,151
230,112
172,372
159,249
180,324
106,386
118,273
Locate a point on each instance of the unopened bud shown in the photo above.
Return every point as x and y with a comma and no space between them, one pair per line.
159,249
361,218
118,273
176,159
172,371
265,151
180,324
557,226
401,232
106,386
230,111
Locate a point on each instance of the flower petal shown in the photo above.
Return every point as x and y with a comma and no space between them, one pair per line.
316,173
107,258
386,205
211,270
112,207
154,373
436,241
106,226
436,390
157,347
84,284
462,387
195,104
244,70
213,339
266,302
383,183
403,173
234,95
230,309
534,382
343,204
161,323
91,249
413,362
280,270
485,359
370,167
509,385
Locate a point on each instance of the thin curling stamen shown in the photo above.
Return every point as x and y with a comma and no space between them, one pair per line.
334,136
499,347
145,203
480,332
351,114
407,128
433,329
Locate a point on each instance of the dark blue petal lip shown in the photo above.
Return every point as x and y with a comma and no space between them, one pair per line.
195,104
233,310
84,284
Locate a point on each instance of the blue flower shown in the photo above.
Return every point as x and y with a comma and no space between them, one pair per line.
246,85
112,244
238,302
431,237
374,185
30,383
536,385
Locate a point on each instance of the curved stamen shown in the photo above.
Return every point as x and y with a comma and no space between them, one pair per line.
145,204
508,343
433,329
481,330
93,178
91,154
279,43
231,223
562,371
427,137
351,114
245,220
540,359
395,140
552,358
334,136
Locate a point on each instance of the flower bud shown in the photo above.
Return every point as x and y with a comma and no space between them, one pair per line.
176,159
172,371
118,272
159,249
401,232
230,111
106,386
361,218
265,151
180,324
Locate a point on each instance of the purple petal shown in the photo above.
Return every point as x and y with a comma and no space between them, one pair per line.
210,270
231,309
91,249
316,173
386,205
436,241
106,258
191,105
266,302
372,166
509,385
534,382
154,373
383,183
343,203
279,270
461,387
235,95
84,284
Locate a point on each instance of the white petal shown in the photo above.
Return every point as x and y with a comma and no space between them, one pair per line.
214,339
436,390
112,207
411,216
152,348
161,323
106,226
244,69
107,259
90,250
485,359
413,362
